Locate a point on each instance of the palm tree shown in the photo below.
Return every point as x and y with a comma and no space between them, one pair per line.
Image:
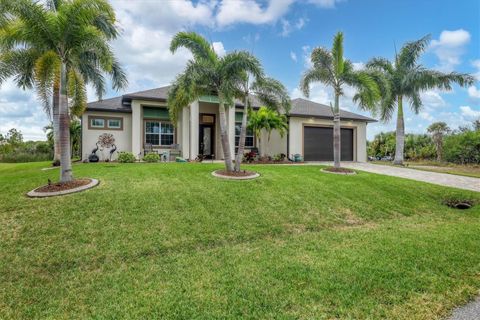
438,130
267,119
207,74
67,46
406,80
269,92
21,64
332,69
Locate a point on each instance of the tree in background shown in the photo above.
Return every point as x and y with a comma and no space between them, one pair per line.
267,91
438,130
332,69
269,120
65,42
208,74
407,78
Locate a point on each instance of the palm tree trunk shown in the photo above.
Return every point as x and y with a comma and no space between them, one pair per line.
400,137
440,149
56,124
64,124
336,133
227,155
243,136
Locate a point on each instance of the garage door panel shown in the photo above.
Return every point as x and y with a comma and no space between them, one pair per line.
318,144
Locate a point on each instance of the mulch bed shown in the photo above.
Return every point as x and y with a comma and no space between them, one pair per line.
242,173
55,187
338,170
273,162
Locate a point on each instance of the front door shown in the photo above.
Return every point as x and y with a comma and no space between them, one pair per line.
206,141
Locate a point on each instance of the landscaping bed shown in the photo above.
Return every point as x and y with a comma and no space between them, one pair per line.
55,187
340,170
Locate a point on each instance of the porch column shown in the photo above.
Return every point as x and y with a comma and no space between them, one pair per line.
194,128
231,129
185,127
137,129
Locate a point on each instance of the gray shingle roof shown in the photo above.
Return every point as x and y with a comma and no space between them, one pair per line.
300,107
307,108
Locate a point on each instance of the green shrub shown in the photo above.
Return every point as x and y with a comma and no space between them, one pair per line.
126,157
15,157
462,148
151,157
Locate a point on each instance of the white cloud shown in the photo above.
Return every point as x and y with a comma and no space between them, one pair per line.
250,11
476,64
218,48
425,115
450,47
288,28
432,99
473,92
293,56
325,3
468,112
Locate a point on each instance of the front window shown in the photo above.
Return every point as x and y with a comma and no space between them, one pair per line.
97,123
249,139
159,133
114,123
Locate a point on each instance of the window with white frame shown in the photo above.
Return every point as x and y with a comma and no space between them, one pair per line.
97,122
159,133
114,123
249,139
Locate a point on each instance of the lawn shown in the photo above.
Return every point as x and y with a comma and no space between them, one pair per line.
434,166
169,241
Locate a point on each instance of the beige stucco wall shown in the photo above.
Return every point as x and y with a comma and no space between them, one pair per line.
123,138
360,135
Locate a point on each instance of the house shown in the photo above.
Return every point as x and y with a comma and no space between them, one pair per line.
140,123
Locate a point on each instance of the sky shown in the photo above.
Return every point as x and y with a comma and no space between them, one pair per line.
282,34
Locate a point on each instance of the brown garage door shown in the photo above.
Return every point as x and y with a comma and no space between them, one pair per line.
318,144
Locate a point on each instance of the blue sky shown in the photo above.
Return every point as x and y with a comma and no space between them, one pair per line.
281,34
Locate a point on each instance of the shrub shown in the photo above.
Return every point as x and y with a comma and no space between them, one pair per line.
25,157
126,157
151,157
462,147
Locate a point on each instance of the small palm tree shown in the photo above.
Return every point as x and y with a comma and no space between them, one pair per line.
269,120
438,130
406,80
332,69
269,92
67,46
21,64
207,74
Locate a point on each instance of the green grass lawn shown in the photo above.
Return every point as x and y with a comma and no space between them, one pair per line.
170,241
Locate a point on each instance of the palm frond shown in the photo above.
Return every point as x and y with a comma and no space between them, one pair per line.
382,64
196,44
77,93
337,53
411,51
272,93
314,75
47,68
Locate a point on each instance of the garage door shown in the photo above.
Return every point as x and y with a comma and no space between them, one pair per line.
318,144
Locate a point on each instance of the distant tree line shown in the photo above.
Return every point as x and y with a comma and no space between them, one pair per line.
440,143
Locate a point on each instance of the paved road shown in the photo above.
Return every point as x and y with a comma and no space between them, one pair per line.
443,179
469,311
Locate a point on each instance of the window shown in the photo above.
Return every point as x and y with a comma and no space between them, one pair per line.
249,139
105,123
114,123
97,123
159,133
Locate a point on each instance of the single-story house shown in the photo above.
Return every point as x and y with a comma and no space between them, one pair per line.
140,123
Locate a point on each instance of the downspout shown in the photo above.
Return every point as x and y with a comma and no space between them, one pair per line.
288,138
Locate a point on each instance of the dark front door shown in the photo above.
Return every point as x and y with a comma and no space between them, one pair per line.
206,140
318,144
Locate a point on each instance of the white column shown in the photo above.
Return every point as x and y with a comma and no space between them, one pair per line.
194,128
185,127
231,129
137,129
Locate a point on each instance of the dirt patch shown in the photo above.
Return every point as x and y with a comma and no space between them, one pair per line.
55,187
273,162
242,173
459,203
338,170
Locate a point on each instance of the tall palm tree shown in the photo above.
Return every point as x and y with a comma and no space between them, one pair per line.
70,47
438,130
269,92
407,79
21,64
206,74
332,69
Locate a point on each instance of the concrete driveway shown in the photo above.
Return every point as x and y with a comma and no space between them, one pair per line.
443,179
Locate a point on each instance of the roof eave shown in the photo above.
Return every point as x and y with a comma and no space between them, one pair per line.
300,115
